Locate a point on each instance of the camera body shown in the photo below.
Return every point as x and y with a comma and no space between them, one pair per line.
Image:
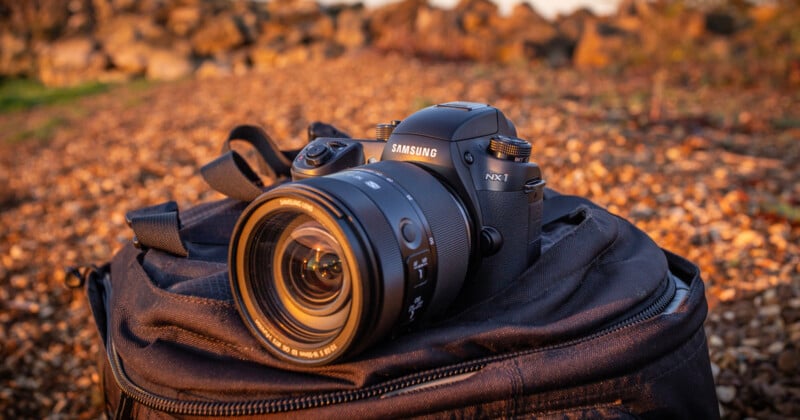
473,148
374,236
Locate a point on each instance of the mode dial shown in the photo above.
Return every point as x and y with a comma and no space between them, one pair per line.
317,154
509,148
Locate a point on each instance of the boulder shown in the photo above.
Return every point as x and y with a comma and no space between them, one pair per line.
263,57
130,58
15,57
290,11
391,27
168,64
351,28
437,34
182,20
217,34
70,61
523,34
211,69
571,26
128,28
600,44
39,20
477,16
721,23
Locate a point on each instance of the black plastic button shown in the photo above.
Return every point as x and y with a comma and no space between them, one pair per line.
409,232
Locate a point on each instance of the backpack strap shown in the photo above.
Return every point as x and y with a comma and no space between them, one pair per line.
157,227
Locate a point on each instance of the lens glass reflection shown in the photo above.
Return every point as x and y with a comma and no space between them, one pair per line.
311,265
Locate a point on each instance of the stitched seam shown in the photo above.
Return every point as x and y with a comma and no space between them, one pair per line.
197,335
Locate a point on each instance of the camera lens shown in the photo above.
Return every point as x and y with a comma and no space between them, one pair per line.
311,265
323,267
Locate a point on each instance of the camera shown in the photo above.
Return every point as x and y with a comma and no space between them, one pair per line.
373,237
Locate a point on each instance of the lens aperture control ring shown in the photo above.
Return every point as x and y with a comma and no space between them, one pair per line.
510,148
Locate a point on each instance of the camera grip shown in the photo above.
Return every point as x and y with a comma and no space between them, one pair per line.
517,219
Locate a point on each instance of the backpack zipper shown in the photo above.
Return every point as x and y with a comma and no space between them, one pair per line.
277,405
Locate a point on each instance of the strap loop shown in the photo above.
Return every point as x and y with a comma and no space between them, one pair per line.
231,175
158,227
274,163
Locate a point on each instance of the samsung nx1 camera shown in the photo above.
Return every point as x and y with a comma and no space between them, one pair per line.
375,236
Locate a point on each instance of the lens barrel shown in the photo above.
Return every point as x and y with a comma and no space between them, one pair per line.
323,267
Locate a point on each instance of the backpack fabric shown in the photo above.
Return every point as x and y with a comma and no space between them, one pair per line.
604,324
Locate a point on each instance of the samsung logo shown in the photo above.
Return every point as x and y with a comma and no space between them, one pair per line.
414,150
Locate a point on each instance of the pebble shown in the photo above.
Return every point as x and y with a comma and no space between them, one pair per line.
789,361
726,394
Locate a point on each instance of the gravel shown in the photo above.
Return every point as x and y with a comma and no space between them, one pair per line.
709,171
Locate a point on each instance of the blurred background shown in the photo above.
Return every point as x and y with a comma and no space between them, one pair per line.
682,116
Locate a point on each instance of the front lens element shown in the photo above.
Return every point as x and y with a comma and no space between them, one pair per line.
300,277
311,264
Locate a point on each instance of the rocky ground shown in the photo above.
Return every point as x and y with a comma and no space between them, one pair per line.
708,170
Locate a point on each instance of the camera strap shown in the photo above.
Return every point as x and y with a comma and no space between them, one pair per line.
233,176
230,174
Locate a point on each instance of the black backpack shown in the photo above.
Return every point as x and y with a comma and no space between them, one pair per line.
604,324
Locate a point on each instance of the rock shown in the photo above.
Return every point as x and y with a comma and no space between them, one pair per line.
70,61
763,13
39,20
557,51
526,35
210,69
216,35
441,34
295,31
15,58
524,23
748,238
126,28
391,27
322,28
351,28
571,26
291,11
600,44
130,58
74,53
166,64
477,16
183,19
789,361
726,394
263,57
720,23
